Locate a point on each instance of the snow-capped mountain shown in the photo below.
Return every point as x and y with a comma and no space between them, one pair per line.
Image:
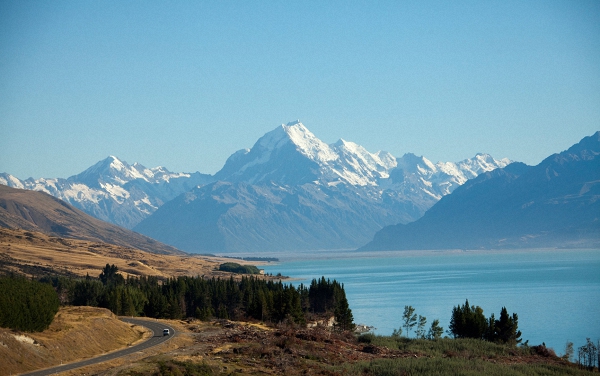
292,155
113,190
292,191
440,179
312,160
554,204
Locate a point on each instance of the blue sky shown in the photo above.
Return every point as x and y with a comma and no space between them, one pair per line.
184,84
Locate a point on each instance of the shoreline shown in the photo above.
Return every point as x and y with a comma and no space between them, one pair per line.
285,257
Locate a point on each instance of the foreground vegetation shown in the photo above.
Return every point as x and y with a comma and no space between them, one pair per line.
26,305
290,350
461,357
250,298
480,345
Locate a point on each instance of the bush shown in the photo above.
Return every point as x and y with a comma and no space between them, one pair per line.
366,338
233,267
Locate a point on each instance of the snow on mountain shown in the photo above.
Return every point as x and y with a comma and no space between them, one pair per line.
113,190
308,144
311,159
291,155
299,188
292,191
441,178
555,204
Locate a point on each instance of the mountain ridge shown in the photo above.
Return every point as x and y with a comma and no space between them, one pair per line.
289,180
553,204
113,190
291,191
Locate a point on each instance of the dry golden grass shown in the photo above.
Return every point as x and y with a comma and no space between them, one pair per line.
76,333
142,361
35,253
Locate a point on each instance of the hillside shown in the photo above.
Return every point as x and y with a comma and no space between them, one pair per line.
38,211
38,254
553,204
76,333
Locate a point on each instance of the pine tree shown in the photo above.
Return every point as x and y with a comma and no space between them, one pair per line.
109,276
506,328
343,313
468,322
27,305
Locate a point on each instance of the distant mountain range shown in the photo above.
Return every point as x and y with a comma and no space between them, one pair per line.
553,204
38,211
290,191
113,190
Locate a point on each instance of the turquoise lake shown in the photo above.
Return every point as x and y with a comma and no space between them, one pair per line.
556,293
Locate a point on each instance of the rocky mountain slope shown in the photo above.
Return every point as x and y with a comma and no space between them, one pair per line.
553,204
291,191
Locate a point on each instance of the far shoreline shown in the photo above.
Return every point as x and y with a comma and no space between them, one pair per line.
285,256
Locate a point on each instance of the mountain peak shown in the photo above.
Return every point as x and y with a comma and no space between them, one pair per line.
271,155
308,144
296,122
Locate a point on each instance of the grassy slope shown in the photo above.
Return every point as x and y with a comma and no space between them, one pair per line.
462,357
76,333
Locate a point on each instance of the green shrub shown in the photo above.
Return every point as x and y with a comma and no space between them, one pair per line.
366,338
233,267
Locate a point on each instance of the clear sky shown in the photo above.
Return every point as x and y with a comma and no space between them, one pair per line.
184,84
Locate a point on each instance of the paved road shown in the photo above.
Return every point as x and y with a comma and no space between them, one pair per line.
157,338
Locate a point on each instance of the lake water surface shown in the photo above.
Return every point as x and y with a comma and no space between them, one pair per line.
556,293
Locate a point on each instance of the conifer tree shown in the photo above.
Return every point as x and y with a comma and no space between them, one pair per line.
109,276
343,313
506,328
468,322
26,305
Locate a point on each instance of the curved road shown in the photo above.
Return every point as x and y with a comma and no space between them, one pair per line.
157,338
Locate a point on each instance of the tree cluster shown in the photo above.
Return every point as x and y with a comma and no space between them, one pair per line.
176,298
26,305
468,321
